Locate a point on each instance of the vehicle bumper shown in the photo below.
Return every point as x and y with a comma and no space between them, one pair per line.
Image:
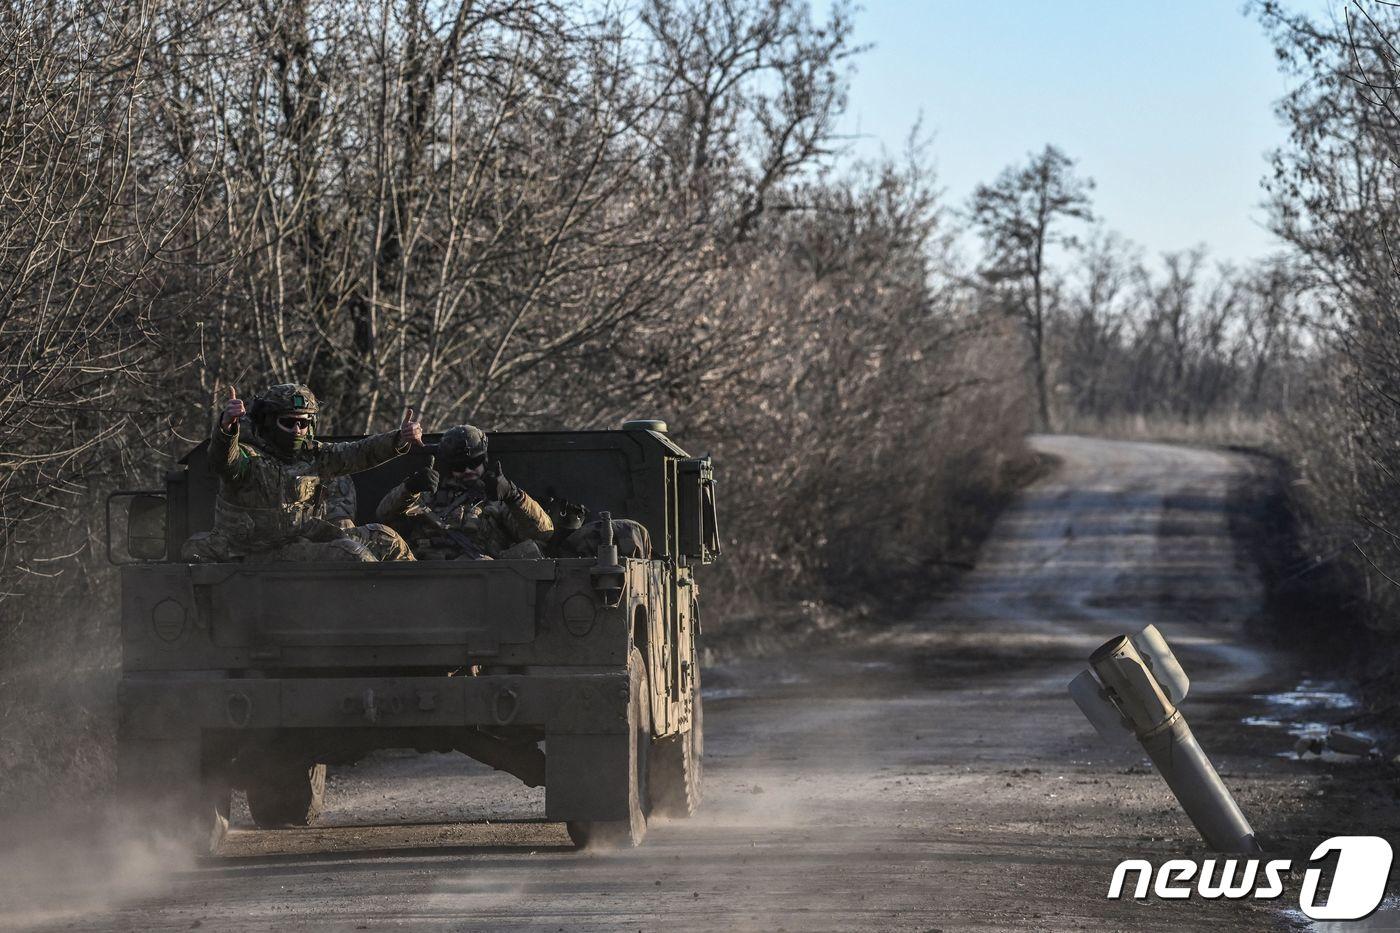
584,718
167,707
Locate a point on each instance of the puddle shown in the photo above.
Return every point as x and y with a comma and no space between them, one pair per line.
725,692
875,665
715,694
1386,917
1299,729
1313,694
1307,711
1327,755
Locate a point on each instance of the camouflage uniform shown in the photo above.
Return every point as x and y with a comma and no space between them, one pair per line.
490,528
338,502
456,520
268,505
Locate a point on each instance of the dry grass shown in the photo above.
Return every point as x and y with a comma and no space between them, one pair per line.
1230,429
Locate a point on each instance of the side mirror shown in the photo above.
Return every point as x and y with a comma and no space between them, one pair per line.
698,526
145,526
710,521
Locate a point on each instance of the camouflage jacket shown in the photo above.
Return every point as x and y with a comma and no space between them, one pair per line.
265,501
338,501
458,519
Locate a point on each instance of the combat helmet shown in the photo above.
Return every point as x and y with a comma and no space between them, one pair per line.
287,398
462,447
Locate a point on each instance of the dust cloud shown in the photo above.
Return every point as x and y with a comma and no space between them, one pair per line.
62,865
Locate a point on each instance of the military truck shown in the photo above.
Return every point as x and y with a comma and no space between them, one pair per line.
256,676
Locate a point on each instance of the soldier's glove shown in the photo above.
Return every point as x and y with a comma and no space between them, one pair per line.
572,516
498,487
321,531
424,480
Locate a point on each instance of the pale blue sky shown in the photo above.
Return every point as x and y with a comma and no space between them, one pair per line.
1166,104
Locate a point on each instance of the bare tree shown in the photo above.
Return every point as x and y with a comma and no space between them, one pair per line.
86,231
1020,217
519,213
1098,307
1333,199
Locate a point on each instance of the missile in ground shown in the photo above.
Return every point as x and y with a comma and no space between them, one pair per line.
1133,687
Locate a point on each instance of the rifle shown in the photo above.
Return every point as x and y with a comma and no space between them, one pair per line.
469,548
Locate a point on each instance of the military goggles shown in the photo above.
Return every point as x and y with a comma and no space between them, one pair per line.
293,423
467,463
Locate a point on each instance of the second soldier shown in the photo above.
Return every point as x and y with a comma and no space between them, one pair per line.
458,509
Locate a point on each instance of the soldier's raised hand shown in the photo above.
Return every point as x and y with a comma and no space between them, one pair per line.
424,480
233,410
410,432
498,487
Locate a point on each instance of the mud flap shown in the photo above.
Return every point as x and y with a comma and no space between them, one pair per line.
586,776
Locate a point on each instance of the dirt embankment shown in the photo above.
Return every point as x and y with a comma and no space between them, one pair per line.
1315,604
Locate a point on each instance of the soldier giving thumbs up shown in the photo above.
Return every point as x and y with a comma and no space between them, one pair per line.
233,410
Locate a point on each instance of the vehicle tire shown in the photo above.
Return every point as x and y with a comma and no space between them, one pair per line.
677,766
628,833
287,793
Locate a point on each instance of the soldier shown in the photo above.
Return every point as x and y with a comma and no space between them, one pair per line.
269,480
465,512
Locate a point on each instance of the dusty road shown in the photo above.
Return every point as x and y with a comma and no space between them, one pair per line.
930,775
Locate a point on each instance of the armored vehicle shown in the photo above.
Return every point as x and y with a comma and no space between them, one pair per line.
579,673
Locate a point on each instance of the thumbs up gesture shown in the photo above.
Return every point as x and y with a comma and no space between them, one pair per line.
498,487
233,410
424,480
410,432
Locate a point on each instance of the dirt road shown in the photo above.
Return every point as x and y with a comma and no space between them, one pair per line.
926,775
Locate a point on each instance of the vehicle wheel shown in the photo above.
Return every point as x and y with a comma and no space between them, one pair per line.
287,793
622,834
677,766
